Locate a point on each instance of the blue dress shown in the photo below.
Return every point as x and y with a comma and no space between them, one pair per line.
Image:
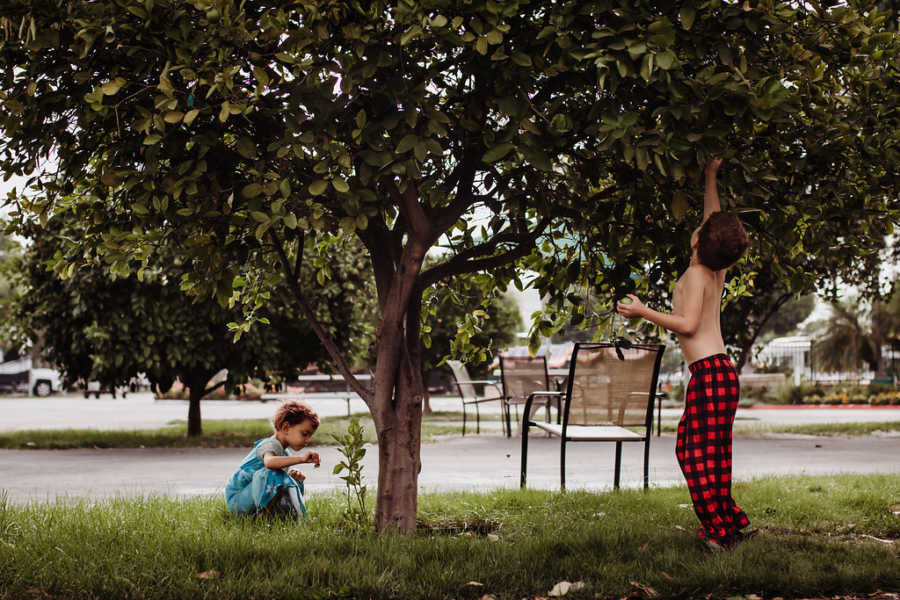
253,486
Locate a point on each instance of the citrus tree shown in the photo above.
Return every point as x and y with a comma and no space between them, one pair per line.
566,138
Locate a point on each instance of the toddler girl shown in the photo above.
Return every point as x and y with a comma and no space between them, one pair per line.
263,481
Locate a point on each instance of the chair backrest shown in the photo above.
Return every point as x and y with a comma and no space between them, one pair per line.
523,375
461,377
612,386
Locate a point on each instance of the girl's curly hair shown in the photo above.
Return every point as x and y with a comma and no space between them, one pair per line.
292,413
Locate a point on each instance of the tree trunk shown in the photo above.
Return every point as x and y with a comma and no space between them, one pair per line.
399,457
744,355
397,403
196,384
195,423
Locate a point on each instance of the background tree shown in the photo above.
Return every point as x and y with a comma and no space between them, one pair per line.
496,321
94,325
856,333
769,305
577,128
10,260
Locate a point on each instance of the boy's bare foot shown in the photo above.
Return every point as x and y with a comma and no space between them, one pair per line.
743,536
713,546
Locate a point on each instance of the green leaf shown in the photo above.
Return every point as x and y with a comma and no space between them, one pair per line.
681,202
173,116
252,190
152,139
290,221
406,144
111,88
497,152
521,59
687,14
260,217
340,184
261,76
285,188
481,46
190,116
318,187
494,37
246,147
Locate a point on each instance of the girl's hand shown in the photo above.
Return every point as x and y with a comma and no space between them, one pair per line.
632,309
297,475
311,457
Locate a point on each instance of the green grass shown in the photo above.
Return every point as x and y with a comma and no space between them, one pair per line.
814,542
866,428
823,429
216,434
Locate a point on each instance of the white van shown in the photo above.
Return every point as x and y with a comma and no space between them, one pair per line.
20,376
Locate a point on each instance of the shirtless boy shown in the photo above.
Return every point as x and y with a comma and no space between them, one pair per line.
704,432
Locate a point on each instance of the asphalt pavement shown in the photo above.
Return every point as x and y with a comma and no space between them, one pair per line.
474,462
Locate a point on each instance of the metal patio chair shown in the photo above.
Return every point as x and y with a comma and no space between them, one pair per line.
465,386
522,375
609,397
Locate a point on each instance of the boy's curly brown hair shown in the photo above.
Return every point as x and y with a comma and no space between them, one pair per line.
722,240
292,413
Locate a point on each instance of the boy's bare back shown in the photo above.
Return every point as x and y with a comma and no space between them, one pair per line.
700,284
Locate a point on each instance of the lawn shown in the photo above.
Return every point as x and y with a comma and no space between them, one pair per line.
216,434
742,427
821,536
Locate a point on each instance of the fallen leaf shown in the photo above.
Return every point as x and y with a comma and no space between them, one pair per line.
30,444
644,547
493,537
648,591
752,597
564,587
684,506
489,597
212,574
666,575
680,528
475,584
599,514
872,537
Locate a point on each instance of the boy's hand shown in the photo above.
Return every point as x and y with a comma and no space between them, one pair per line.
311,457
297,475
712,163
634,308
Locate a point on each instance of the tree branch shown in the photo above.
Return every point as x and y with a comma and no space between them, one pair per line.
326,339
465,262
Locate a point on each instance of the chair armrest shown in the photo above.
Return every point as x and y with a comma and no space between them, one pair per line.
547,393
526,411
484,381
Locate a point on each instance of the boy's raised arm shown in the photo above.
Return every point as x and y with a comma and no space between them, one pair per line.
711,191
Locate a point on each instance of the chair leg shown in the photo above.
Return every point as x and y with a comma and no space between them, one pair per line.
618,465
508,423
524,466
477,419
562,463
464,418
647,461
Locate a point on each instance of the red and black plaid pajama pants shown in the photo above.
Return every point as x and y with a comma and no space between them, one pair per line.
703,447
